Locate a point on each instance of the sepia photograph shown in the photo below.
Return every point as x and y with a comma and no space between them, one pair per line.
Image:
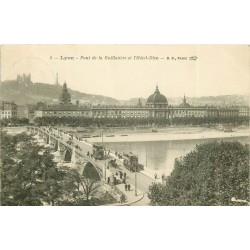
124,125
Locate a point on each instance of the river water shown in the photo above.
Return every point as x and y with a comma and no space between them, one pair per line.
160,155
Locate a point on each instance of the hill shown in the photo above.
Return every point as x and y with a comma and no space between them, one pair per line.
12,90
29,92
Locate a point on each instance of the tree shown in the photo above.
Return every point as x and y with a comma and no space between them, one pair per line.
78,188
20,183
70,186
89,181
29,175
212,174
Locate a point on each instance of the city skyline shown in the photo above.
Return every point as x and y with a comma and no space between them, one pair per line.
218,69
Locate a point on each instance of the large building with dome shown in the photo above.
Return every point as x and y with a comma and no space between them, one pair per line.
157,106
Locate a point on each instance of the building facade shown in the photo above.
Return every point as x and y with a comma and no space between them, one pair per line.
8,110
26,111
63,111
156,107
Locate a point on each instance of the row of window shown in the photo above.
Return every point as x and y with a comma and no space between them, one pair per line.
127,116
8,112
189,112
120,112
66,112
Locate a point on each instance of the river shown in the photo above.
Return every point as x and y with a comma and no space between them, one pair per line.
160,155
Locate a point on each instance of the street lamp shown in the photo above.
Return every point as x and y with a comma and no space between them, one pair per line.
136,180
104,159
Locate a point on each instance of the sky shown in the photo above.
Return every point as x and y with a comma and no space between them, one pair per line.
214,70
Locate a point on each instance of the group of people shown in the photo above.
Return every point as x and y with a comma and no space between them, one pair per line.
127,187
117,177
89,155
162,176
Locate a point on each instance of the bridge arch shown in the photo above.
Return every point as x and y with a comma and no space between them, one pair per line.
91,171
67,155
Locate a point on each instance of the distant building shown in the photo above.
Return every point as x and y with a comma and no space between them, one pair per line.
184,104
24,79
8,110
26,111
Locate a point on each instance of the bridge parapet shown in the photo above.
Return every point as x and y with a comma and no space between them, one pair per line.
74,148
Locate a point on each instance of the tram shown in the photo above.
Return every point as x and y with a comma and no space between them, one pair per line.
131,162
98,151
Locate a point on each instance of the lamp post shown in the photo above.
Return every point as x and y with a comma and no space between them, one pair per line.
136,180
104,159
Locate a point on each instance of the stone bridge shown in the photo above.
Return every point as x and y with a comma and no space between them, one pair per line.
69,149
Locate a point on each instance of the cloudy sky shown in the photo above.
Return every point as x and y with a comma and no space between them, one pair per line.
218,69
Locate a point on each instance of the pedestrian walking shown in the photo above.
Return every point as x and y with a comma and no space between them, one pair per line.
121,174
128,187
124,176
108,179
155,176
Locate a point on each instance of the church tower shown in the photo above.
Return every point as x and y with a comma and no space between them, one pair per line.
65,98
139,104
184,99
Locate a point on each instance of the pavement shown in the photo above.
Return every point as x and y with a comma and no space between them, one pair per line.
143,183
131,197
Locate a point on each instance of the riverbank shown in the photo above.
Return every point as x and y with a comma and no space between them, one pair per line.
172,134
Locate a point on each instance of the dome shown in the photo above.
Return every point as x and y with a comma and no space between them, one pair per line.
157,98
65,97
184,104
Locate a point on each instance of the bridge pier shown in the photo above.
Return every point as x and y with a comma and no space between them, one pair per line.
73,155
58,147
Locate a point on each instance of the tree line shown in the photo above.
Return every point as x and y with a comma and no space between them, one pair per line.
13,121
140,122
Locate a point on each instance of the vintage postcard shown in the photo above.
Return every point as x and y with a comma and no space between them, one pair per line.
124,125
